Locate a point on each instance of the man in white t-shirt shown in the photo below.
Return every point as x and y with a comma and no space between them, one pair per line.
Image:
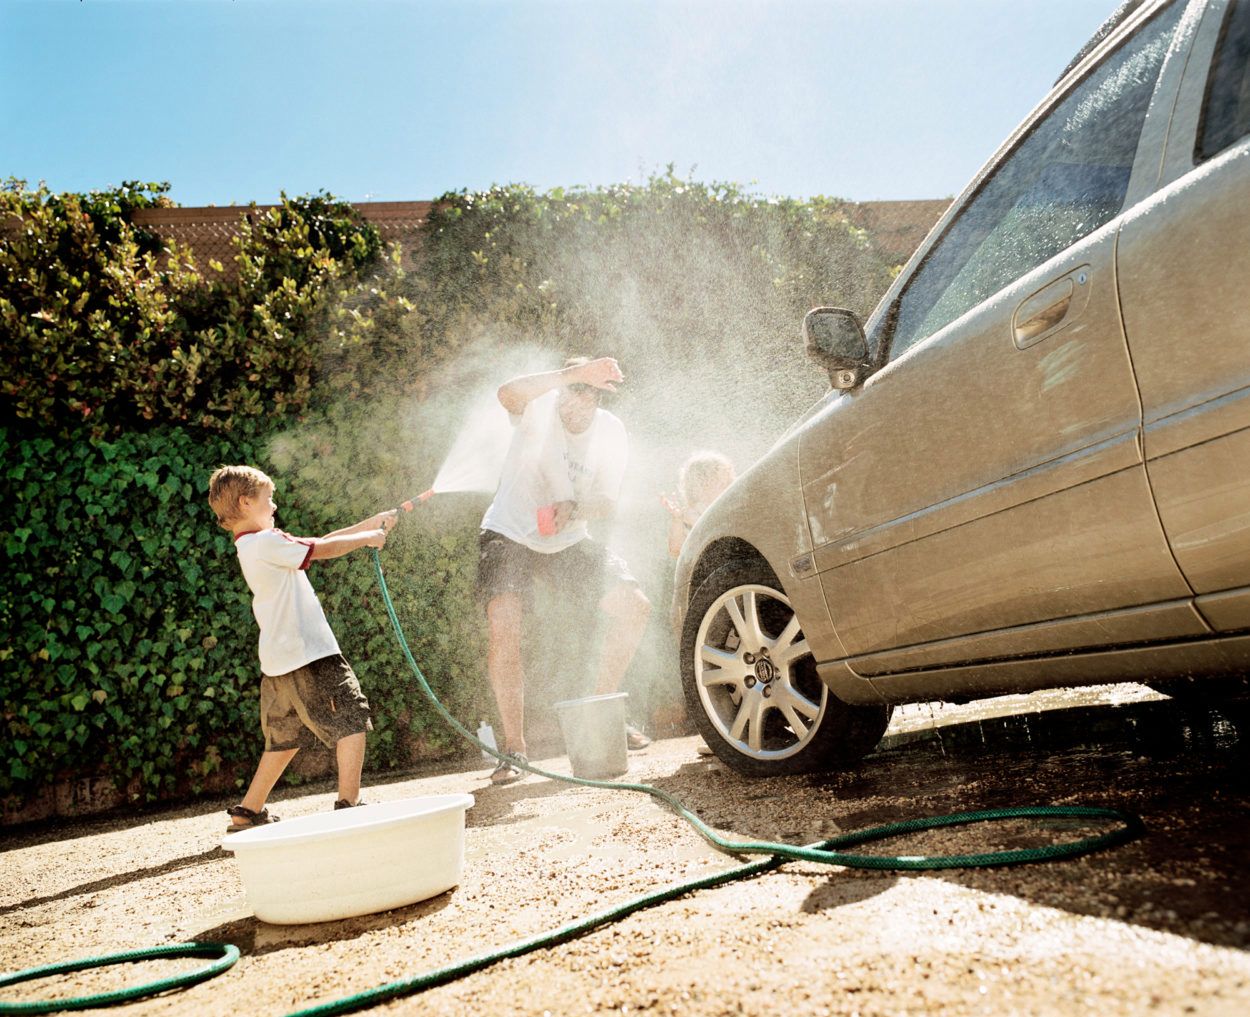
563,468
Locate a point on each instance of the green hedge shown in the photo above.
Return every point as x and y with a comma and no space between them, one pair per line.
105,328
701,267
129,648
129,372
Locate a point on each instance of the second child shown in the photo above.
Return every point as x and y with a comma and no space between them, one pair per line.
699,483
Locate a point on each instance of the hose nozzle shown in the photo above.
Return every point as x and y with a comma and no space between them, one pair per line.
408,505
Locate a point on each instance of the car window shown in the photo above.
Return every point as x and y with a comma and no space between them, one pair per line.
1226,112
1064,180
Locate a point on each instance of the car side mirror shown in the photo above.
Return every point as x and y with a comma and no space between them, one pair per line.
834,338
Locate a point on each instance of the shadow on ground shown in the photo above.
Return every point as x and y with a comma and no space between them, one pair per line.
1180,766
254,937
164,868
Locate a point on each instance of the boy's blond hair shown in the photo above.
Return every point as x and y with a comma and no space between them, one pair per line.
230,483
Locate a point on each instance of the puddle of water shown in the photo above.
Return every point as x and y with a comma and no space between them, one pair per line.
231,910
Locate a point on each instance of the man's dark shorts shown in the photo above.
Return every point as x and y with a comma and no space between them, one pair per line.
587,569
320,701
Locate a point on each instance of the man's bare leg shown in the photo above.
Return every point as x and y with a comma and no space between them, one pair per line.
349,754
503,665
627,609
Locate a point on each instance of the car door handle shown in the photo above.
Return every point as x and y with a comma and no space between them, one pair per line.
1042,312
1051,308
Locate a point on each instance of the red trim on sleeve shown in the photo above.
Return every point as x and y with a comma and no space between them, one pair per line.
308,542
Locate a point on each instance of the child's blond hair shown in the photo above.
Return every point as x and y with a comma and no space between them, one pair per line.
704,472
230,483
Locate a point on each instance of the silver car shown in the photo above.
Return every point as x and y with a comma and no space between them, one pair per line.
1032,468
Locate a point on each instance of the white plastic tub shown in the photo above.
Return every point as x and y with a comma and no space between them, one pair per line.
354,861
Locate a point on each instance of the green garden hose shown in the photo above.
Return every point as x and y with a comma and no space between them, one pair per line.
825,852
226,954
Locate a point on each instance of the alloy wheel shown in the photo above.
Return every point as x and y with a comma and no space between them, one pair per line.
755,675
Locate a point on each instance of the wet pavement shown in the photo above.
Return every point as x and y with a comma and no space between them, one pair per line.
1179,764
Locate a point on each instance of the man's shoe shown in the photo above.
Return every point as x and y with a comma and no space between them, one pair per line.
635,739
505,772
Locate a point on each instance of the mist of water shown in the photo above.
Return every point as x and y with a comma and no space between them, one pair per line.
476,457
710,346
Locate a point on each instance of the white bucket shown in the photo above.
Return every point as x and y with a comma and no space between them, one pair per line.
594,735
353,861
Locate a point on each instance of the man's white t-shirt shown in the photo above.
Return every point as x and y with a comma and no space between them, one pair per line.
546,464
293,627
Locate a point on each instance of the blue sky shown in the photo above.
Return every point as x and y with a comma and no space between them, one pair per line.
392,100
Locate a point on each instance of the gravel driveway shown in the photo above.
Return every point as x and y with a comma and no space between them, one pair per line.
1161,925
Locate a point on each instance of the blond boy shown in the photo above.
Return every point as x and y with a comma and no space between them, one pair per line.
307,690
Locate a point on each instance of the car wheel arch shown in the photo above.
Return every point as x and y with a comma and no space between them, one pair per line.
722,552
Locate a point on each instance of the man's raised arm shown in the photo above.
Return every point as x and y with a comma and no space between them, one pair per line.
517,393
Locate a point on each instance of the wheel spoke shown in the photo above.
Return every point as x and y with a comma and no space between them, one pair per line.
752,632
792,718
721,668
791,645
710,679
755,737
748,724
781,649
719,658
793,653
742,718
739,622
800,702
746,620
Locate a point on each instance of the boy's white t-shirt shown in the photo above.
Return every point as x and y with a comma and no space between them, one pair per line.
546,464
293,627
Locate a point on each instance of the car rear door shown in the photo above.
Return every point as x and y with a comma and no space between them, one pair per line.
1184,265
989,477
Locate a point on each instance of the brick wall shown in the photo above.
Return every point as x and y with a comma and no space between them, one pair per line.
895,228
208,231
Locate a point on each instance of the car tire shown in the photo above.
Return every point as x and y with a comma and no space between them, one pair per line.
752,687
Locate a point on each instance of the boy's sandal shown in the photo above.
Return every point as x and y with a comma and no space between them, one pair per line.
343,803
254,819
505,772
